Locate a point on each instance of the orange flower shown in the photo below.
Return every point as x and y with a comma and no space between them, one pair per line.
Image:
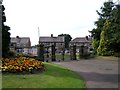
18,64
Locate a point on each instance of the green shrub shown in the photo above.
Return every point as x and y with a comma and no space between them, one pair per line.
84,52
11,54
117,54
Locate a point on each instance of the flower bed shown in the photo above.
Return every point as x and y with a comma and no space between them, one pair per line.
21,65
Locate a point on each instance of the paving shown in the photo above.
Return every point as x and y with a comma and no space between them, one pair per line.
96,73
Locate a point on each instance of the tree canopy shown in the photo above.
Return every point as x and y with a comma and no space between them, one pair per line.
67,39
106,35
5,34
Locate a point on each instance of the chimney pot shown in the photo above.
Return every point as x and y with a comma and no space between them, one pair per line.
51,35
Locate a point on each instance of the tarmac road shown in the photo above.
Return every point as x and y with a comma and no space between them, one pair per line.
96,73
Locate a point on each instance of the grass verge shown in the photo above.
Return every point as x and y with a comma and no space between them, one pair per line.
107,58
54,76
66,56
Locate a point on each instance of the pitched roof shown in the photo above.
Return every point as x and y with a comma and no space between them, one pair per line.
51,39
20,40
81,40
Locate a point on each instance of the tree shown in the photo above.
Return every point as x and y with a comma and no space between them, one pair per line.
67,39
106,13
106,36
106,10
110,35
5,34
103,48
114,34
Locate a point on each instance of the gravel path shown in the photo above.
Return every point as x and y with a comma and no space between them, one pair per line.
96,73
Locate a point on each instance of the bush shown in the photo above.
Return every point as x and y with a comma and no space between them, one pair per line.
11,54
85,56
84,52
27,56
21,65
117,54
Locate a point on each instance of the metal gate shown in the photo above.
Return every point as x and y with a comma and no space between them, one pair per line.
50,53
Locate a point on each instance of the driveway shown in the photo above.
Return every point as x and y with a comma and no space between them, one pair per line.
96,73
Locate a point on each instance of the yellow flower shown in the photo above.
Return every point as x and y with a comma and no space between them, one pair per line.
20,63
5,67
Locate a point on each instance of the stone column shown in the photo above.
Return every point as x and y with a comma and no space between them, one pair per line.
41,52
63,53
74,52
81,52
71,52
53,53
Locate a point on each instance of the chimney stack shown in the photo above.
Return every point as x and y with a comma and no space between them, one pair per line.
51,35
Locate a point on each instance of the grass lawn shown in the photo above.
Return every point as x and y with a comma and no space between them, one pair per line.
107,58
54,76
60,56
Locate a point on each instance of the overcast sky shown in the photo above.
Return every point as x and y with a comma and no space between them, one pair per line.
74,17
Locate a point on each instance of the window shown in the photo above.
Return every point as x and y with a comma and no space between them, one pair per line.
12,44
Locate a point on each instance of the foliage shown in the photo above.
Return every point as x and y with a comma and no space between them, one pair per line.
95,33
27,56
95,44
114,42
106,10
102,49
67,39
21,65
106,39
11,54
84,52
54,76
117,54
106,13
112,34
5,35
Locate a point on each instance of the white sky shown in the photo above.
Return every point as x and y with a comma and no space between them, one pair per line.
74,17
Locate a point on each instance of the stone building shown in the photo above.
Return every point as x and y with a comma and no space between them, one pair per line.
20,44
79,41
48,41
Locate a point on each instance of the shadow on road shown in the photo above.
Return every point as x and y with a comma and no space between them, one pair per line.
98,77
